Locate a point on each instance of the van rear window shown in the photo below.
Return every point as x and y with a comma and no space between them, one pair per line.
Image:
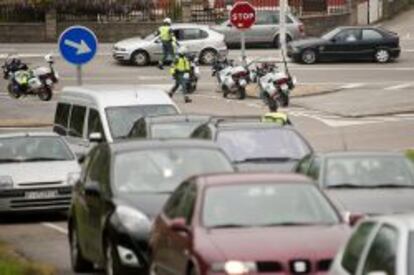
121,119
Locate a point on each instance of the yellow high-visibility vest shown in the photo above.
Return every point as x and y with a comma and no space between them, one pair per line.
182,65
279,118
165,33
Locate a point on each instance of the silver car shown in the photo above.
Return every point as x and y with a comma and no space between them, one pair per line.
264,31
198,39
37,172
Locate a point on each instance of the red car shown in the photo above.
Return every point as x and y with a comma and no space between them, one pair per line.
247,223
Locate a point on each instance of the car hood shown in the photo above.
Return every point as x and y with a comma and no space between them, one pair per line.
267,167
135,42
313,41
33,172
374,201
149,204
281,243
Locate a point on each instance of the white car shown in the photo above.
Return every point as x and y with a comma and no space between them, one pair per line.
379,246
200,40
37,172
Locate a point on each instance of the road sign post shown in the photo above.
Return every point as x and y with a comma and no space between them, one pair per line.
243,16
78,46
282,33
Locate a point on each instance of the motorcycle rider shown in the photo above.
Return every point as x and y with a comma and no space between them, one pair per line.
167,40
180,71
276,117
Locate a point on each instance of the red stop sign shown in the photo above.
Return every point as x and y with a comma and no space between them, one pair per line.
242,15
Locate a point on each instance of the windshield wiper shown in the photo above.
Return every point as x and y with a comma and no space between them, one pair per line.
230,225
267,159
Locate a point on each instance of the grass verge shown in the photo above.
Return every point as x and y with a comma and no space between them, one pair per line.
13,264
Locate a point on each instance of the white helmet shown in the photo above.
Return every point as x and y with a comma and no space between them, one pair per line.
49,58
167,21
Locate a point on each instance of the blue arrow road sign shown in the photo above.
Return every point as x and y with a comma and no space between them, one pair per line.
78,45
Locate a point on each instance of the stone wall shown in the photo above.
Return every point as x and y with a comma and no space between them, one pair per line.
316,25
22,32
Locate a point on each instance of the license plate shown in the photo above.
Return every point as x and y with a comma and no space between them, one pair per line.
34,195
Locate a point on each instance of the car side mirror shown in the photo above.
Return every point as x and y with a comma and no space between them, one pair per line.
353,218
179,225
95,137
92,189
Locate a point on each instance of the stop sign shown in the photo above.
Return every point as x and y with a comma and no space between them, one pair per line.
242,15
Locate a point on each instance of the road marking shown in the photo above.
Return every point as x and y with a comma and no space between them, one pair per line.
55,227
352,86
398,87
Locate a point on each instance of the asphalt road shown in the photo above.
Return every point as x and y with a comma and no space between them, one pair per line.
327,121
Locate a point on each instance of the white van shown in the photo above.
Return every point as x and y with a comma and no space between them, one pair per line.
106,113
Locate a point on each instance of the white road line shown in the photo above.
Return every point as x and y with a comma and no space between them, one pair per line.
398,87
352,86
55,227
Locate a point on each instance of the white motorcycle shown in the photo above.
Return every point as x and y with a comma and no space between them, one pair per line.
231,79
275,85
24,81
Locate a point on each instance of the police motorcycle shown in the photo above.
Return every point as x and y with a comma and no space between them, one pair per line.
24,81
231,78
275,84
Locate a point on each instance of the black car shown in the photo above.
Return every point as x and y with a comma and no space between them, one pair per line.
169,126
364,182
347,43
256,146
122,188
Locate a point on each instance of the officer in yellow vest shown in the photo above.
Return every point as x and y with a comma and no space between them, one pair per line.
277,117
180,70
167,40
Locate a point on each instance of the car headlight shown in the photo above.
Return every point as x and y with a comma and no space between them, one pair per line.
6,182
73,178
235,267
132,219
116,48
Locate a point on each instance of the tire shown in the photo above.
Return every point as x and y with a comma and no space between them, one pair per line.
241,93
276,43
140,58
112,264
308,56
226,91
382,56
45,94
284,100
272,104
78,262
11,92
208,56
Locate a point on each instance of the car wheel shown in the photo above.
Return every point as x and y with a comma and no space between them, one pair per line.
276,42
207,57
140,58
79,263
382,56
112,264
308,56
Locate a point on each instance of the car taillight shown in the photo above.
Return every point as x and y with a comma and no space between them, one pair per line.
302,29
281,81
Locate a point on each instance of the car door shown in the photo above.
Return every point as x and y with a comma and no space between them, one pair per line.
192,39
371,40
180,242
231,34
264,29
382,253
346,45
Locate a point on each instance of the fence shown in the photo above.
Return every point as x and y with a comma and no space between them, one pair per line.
20,12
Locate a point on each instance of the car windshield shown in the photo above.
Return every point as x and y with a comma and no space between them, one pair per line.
369,171
121,119
262,144
331,34
30,149
266,204
161,170
173,129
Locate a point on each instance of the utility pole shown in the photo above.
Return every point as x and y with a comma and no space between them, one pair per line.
282,24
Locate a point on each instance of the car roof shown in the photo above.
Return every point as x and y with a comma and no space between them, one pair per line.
177,118
118,95
251,177
401,220
361,153
136,145
29,134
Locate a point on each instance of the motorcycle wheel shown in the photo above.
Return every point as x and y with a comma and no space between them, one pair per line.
284,100
45,94
226,91
241,93
11,91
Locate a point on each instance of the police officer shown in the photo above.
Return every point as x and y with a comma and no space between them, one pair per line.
167,40
180,70
276,117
